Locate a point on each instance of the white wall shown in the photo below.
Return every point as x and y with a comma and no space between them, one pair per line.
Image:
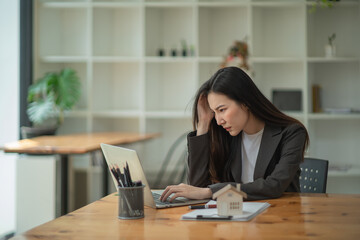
9,109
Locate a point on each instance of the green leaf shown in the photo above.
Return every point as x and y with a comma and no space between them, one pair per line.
41,110
50,95
40,89
67,89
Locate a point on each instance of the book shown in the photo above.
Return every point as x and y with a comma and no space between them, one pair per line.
250,210
316,98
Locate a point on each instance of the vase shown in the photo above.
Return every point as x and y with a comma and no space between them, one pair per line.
330,50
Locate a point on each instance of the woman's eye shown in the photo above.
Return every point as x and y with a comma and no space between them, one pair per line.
221,110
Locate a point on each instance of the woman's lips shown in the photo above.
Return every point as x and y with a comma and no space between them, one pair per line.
227,128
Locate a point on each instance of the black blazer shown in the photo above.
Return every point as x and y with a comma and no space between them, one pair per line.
277,165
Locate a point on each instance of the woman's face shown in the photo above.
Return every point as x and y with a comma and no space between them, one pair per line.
232,116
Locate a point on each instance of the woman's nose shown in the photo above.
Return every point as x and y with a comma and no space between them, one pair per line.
219,120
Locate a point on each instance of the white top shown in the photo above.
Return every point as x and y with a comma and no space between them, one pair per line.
250,146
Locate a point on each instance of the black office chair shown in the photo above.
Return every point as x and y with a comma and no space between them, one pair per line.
313,177
174,166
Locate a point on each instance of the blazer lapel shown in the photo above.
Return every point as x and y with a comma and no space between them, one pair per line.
269,142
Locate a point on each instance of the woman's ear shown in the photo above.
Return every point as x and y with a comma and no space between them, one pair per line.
245,107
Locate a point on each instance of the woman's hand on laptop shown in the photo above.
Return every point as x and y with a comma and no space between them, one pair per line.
187,191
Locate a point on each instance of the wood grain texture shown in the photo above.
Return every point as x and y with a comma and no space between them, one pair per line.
293,216
74,143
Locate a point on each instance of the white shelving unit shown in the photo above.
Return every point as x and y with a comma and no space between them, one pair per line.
114,45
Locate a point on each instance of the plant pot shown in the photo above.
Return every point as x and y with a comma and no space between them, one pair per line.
330,50
30,132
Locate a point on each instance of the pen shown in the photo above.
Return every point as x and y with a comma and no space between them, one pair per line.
205,217
203,206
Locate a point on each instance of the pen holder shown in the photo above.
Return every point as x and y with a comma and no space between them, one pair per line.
131,202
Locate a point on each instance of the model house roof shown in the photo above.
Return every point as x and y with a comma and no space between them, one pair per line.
227,188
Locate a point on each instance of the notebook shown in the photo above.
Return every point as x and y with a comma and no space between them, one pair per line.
250,210
121,156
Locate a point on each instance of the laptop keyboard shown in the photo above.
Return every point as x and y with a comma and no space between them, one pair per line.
157,200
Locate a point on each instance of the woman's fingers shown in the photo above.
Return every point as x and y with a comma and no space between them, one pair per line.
174,196
181,190
166,193
177,190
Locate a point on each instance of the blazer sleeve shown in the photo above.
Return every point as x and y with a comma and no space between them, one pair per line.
198,160
272,186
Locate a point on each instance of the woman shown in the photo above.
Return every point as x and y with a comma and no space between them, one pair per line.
240,137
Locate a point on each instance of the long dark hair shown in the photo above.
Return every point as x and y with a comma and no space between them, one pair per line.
238,86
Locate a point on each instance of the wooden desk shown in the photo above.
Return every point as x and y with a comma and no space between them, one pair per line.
64,145
293,216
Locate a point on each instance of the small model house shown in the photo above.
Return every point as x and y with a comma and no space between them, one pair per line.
229,200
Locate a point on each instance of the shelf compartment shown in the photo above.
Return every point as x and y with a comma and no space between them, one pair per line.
324,22
65,4
168,3
276,59
206,70
63,32
333,116
116,87
211,59
115,59
81,70
64,59
116,114
278,31
63,1
122,26
215,35
335,141
166,27
286,76
126,124
351,171
166,91
168,114
332,59
116,3
178,59
329,76
277,3
225,3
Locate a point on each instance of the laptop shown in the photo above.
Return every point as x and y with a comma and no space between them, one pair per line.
121,156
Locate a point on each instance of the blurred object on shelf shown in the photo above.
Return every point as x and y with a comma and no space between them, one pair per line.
340,168
192,50
161,52
173,52
330,48
237,56
184,50
287,100
316,103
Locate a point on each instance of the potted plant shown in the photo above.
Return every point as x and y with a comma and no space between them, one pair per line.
48,98
330,48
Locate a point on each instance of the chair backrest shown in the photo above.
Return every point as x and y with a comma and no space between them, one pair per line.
313,177
174,167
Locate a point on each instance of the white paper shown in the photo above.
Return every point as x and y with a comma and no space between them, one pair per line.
250,210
